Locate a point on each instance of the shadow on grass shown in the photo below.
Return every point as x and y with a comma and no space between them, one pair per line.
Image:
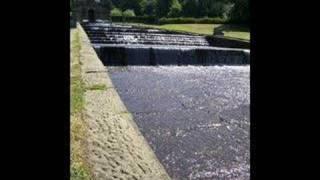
232,27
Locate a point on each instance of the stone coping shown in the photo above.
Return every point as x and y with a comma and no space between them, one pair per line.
117,149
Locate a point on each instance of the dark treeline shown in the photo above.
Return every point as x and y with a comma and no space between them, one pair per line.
233,10
237,10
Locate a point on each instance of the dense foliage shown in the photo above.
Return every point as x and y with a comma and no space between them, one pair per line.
129,13
116,12
240,11
234,10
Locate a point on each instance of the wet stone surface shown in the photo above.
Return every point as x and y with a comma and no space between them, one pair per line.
195,118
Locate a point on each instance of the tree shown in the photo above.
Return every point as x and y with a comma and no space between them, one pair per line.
143,5
240,12
128,13
117,3
150,7
107,4
217,8
190,8
163,7
116,12
175,9
130,4
203,7
235,10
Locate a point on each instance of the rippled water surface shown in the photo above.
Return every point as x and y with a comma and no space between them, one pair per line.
195,118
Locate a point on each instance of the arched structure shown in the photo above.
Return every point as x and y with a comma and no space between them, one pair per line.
91,9
91,15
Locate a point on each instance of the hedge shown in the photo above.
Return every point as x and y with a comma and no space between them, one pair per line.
192,21
181,20
135,19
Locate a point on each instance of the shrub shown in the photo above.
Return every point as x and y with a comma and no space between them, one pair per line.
135,19
129,13
116,12
183,20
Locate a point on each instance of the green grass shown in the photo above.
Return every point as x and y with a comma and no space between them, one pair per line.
231,31
77,88
95,87
194,28
79,168
77,91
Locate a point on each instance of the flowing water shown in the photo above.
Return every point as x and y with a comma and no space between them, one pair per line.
128,45
195,115
122,34
195,118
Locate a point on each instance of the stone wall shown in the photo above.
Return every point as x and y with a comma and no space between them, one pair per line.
225,42
82,7
117,149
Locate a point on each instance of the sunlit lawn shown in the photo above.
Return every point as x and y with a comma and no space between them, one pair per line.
231,31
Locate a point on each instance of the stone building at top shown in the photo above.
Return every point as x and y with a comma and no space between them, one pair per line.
91,9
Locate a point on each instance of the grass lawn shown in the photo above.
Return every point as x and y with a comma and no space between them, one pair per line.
231,31
79,168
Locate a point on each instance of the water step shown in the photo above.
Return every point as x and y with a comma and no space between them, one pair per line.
121,55
100,33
